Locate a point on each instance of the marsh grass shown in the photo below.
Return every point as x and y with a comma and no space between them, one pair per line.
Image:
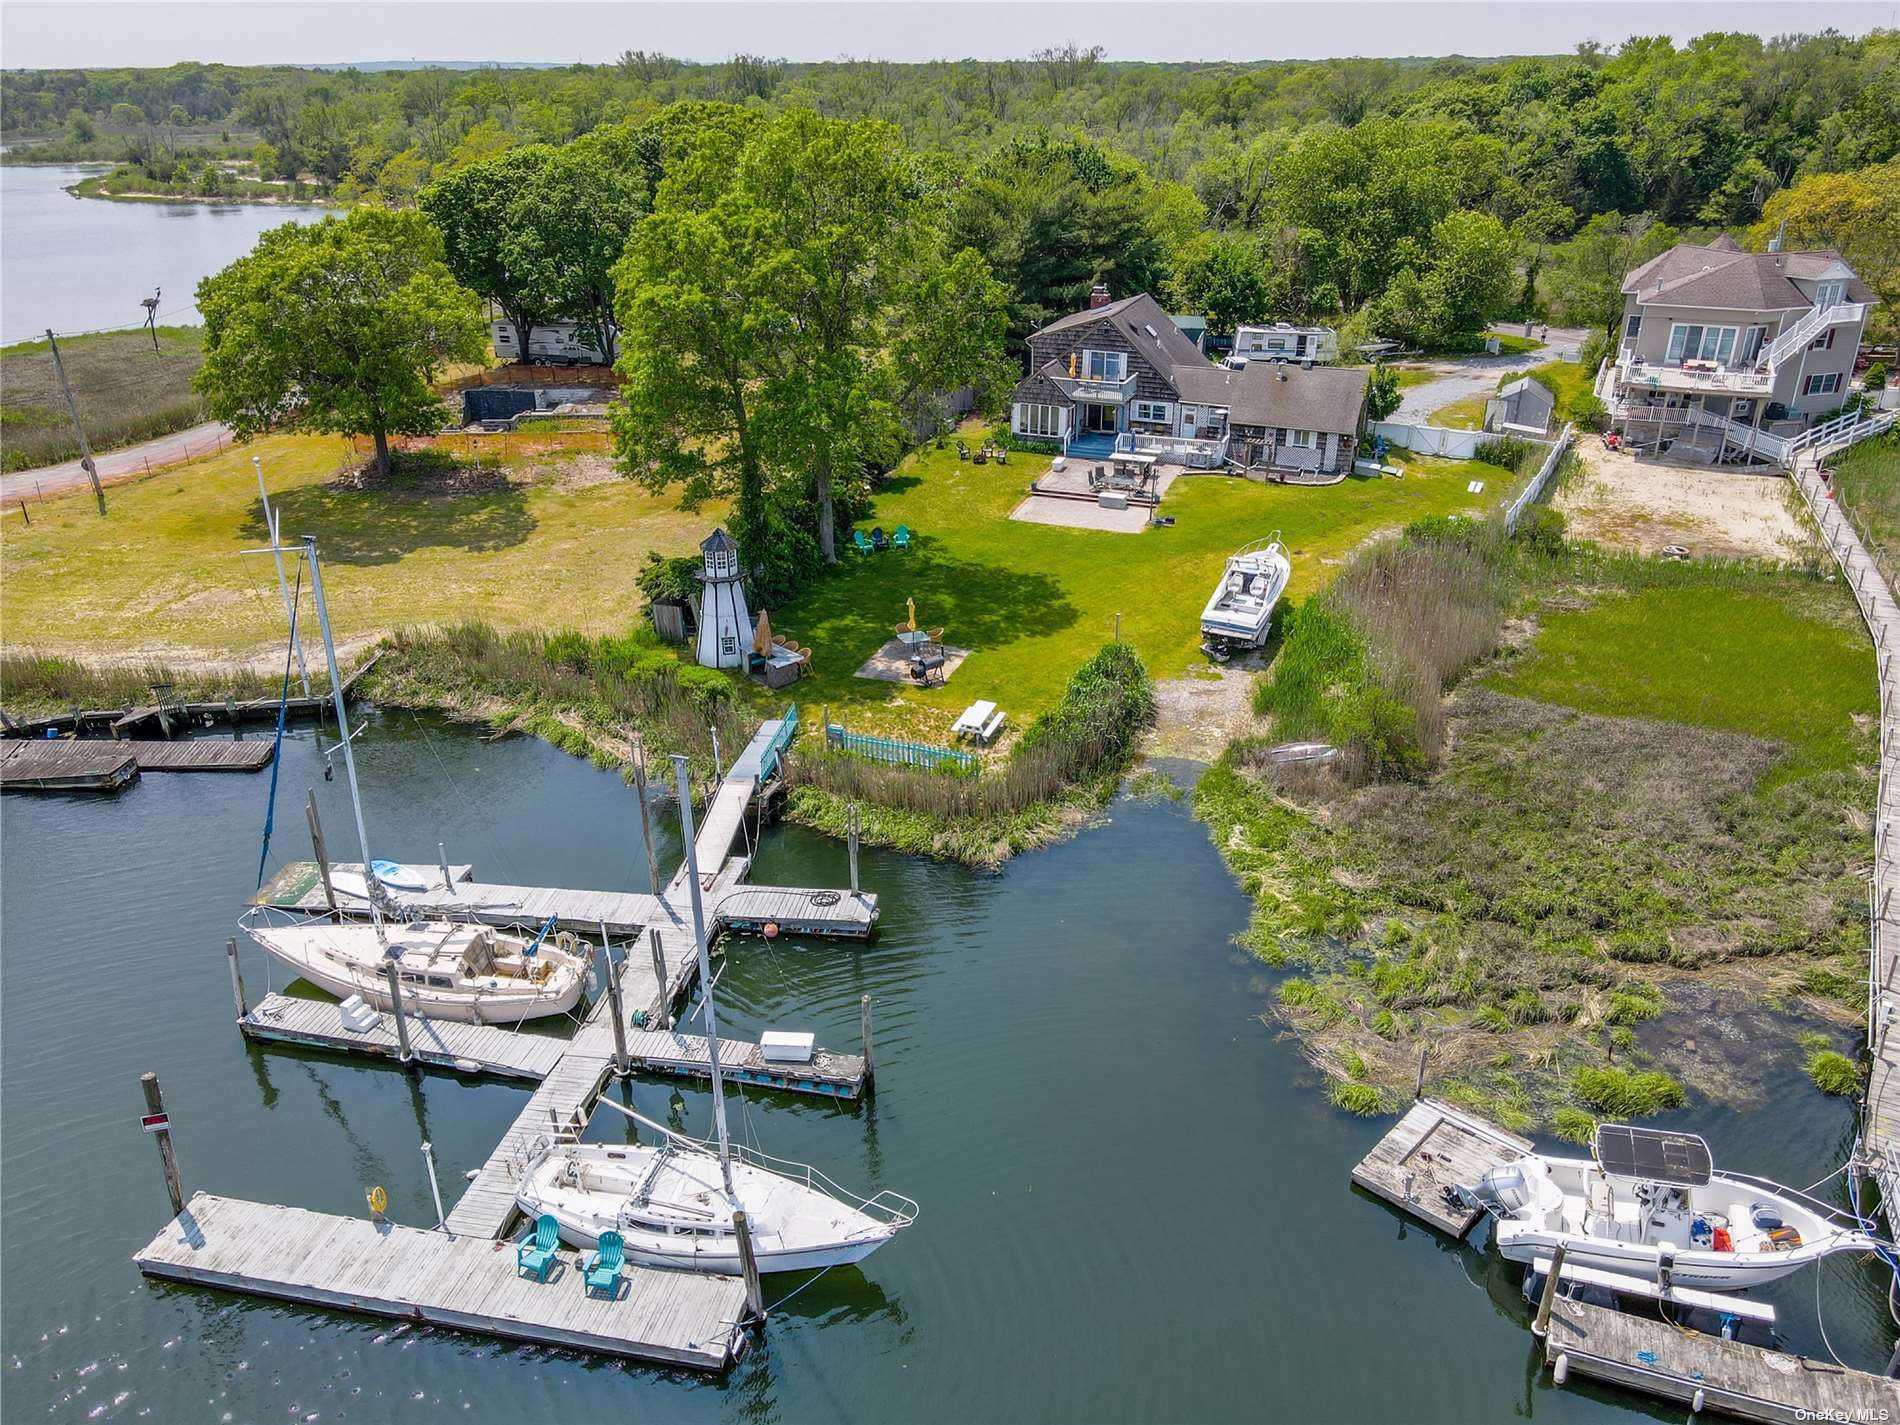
125,392
1866,479
32,684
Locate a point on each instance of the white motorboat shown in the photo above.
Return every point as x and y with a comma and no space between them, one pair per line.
1240,612
1648,1199
669,1205
469,973
673,1202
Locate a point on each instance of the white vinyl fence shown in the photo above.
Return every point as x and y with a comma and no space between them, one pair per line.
1432,440
1542,478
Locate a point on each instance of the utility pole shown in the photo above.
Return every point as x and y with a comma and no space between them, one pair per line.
85,452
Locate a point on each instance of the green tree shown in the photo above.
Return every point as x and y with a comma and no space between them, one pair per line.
1470,281
337,326
786,302
598,190
264,158
79,126
1857,214
498,247
1222,275
1382,392
1585,274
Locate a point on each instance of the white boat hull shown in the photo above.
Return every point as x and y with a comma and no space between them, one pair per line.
1711,1271
685,1220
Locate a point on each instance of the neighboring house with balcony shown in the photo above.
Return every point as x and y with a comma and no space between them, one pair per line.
1717,343
1120,374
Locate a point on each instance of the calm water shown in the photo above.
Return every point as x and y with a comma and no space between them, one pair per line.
1135,1207
80,264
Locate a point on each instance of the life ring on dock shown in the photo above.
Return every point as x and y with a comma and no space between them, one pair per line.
771,930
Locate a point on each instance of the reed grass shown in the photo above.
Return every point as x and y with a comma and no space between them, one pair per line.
126,391
34,684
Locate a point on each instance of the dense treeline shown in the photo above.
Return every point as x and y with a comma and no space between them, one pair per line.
1701,133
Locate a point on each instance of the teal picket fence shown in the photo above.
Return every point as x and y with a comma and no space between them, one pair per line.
894,749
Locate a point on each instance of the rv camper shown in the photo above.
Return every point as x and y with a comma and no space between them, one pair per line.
556,344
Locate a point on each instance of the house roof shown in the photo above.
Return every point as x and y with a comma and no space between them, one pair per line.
1322,398
1147,328
1523,385
1722,275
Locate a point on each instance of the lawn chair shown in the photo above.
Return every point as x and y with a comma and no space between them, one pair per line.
859,542
982,455
963,451
602,1272
1002,455
536,1254
880,541
901,540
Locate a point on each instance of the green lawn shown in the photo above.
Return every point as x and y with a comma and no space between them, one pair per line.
1707,655
1867,483
1032,601
164,575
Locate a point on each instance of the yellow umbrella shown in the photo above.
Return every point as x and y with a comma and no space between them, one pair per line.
910,608
762,639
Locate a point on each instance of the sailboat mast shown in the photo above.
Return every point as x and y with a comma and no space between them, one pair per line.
343,727
705,972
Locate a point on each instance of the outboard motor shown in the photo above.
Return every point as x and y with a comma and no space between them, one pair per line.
1500,1192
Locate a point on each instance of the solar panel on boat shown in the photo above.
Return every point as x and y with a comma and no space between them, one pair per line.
1656,1156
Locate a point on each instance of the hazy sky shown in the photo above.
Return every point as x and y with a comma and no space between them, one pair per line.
74,33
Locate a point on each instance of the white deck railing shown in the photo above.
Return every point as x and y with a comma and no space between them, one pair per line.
1176,449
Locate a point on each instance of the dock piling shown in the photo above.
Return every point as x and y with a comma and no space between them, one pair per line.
749,1266
237,977
435,1188
155,1107
719,773
621,1063
316,846
404,1053
1418,1089
659,977
646,823
1541,1327
864,1030
851,840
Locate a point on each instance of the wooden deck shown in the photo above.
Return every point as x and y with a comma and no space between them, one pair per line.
358,1264
828,1075
1432,1147
1880,1119
65,766
1706,1372
201,754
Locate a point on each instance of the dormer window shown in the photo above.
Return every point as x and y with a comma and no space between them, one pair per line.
1105,365
1830,292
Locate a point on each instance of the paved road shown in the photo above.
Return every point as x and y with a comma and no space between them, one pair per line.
1469,375
116,464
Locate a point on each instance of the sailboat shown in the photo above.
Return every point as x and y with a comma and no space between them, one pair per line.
672,1202
446,970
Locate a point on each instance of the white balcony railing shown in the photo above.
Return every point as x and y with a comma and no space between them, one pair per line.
1633,370
1100,389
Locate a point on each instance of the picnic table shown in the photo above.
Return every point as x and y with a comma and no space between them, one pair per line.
981,720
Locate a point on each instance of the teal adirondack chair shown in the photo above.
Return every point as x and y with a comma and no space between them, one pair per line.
602,1272
536,1254
859,542
902,538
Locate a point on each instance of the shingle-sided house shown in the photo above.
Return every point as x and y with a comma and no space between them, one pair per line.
1122,371
1718,340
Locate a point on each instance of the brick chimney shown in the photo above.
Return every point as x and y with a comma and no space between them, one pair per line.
1098,296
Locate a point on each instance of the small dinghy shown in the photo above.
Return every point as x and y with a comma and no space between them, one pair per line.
469,973
1240,612
670,1206
1647,1199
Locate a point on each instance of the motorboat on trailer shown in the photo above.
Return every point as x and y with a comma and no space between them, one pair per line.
669,1204
1649,1201
473,974
1240,612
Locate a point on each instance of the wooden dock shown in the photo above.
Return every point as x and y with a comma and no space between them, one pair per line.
686,1319
1706,1372
1431,1148
1880,1117
175,711
73,765
462,1276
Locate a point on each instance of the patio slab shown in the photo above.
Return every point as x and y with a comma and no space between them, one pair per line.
891,663
1075,514
1075,477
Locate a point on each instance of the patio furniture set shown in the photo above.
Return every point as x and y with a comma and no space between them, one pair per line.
535,1255
987,451
878,541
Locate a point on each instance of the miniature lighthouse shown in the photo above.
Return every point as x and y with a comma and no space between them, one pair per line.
725,628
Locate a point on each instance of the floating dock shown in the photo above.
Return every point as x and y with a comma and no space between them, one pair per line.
176,713
70,765
360,1264
1706,1372
1431,1148
463,1276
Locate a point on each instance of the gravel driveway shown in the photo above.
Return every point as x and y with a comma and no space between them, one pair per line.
1470,375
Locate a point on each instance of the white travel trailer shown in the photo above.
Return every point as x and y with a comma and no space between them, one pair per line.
1285,342
557,344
